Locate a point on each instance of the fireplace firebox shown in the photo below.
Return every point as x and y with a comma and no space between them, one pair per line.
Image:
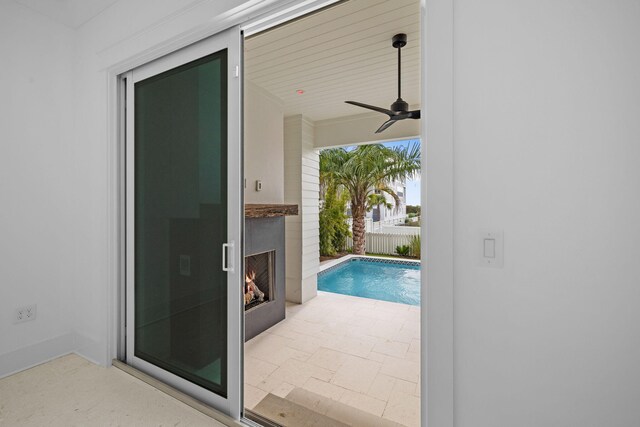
259,279
265,250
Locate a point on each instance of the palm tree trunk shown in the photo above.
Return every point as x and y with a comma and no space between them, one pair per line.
358,214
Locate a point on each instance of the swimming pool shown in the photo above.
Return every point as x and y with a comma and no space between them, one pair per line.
381,279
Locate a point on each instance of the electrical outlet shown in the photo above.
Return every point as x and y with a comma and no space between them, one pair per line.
24,314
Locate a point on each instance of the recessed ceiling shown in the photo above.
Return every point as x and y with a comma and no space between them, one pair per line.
72,13
339,54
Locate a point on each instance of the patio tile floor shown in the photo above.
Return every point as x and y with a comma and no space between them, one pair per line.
360,352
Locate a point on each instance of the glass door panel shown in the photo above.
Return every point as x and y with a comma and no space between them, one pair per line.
183,213
180,221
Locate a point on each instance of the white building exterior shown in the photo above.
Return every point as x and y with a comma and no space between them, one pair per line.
398,211
383,215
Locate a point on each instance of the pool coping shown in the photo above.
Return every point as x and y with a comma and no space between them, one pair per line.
337,262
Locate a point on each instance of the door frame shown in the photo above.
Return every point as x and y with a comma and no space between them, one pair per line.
437,326
231,41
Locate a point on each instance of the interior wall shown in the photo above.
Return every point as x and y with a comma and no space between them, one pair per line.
436,195
263,145
36,185
546,149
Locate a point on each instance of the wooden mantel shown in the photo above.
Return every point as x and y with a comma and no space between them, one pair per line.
269,210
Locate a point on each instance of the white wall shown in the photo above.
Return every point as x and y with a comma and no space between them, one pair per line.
263,145
36,187
547,148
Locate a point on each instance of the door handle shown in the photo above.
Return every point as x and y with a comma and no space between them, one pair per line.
230,266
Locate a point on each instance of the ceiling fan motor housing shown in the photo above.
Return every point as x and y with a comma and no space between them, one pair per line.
399,40
399,105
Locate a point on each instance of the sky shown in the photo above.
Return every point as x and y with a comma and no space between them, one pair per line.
413,186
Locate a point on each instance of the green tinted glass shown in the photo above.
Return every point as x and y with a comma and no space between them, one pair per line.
181,221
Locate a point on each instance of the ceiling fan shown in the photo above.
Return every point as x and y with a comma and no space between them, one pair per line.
399,110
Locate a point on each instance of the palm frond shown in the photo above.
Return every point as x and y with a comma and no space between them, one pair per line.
366,168
390,192
374,200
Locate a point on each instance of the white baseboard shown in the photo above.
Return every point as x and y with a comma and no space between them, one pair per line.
36,354
42,352
90,350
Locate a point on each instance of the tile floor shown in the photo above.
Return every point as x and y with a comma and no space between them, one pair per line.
360,352
71,391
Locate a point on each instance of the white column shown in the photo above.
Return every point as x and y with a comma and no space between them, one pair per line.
301,186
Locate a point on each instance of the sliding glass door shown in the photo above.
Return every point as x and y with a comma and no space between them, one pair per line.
183,220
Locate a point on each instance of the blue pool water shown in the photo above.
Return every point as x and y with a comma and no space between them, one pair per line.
376,279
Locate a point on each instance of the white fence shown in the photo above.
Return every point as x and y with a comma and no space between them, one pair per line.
368,224
386,226
382,243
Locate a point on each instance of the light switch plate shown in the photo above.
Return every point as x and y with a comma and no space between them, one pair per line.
491,249
185,265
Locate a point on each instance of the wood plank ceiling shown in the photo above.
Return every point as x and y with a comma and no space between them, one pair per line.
339,54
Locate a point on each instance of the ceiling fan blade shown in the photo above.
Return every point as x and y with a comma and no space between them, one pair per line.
372,107
415,114
385,125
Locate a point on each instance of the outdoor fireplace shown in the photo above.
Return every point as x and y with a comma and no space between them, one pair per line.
259,279
263,285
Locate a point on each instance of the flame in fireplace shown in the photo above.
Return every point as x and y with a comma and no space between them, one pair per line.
248,288
250,276
251,290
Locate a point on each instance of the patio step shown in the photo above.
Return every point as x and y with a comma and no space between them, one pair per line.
335,410
290,414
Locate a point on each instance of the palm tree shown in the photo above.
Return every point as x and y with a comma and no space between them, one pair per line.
365,170
375,200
